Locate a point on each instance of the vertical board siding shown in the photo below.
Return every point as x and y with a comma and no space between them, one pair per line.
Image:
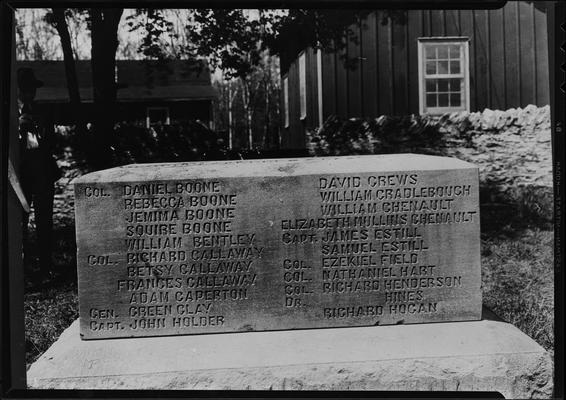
452,27
467,27
308,83
508,64
354,72
541,57
437,23
318,120
314,73
414,31
481,46
296,140
341,85
425,17
284,132
526,44
328,84
312,98
292,130
287,132
511,45
385,73
311,83
497,60
400,66
369,66
314,78
295,124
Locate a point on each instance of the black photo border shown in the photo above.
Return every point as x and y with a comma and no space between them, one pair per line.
12,338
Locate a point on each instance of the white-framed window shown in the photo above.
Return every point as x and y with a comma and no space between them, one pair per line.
443,75
303,85
157,115
286,101
319,86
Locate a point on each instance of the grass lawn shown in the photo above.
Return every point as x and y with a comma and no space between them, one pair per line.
517,275
518,281
47,314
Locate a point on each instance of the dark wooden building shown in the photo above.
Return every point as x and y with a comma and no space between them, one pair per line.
149,91
422,61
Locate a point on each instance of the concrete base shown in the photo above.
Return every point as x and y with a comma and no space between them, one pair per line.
465,356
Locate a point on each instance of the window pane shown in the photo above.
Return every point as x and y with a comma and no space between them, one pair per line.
430,52
431,85
454,50
455,85
442,67
455,99
431,100
430,67
454,67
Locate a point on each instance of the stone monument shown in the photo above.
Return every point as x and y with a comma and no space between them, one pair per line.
260,251
277,244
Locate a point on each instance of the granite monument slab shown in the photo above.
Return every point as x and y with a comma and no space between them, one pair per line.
232,246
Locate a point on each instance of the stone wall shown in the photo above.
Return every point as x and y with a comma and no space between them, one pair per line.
512,149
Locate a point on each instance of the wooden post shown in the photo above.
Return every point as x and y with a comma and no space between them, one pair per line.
11,274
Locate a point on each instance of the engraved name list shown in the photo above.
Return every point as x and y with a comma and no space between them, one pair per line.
277,244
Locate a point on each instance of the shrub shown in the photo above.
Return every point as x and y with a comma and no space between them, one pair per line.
189,141
381,135
512,149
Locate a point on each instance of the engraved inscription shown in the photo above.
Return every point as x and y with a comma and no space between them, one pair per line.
191,254
377,246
